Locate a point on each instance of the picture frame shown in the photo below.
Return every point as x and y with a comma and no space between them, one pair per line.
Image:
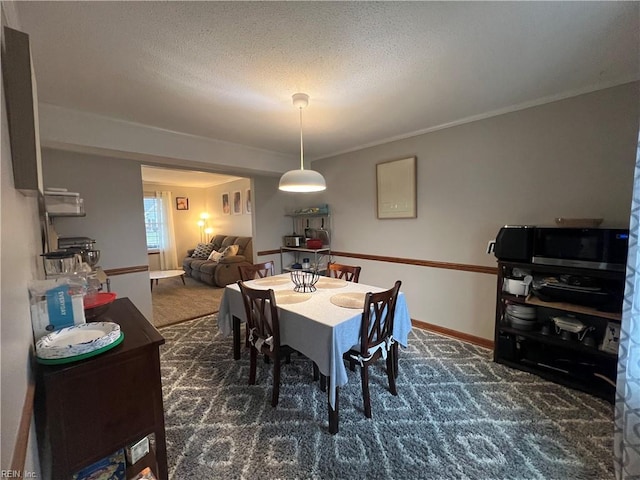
182,203
226,204
236,206
396,189
247,201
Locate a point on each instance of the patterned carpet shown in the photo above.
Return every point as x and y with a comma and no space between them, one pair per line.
458,415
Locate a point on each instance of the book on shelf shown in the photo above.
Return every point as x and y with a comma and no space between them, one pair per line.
145,474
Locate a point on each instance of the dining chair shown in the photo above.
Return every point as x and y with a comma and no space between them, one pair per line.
350,273
251,272
263,326
376,340
257,270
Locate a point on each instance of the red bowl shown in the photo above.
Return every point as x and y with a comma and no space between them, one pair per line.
96,304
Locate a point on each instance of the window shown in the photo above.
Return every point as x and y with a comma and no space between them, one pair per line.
153,222
158,222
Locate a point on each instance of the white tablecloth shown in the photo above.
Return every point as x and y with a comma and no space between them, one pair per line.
317,328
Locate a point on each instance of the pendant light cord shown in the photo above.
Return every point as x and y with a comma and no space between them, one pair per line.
301,144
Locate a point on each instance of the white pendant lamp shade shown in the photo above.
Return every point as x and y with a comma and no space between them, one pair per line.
302,180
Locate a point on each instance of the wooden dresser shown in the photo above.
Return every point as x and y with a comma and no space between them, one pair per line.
87,410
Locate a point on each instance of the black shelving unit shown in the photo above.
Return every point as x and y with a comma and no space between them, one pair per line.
543,351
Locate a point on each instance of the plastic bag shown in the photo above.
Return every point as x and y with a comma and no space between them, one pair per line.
56,303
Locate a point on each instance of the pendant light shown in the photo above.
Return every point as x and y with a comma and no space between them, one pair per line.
302,180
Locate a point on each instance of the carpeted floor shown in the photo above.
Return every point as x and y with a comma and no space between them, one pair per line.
174,302
458,415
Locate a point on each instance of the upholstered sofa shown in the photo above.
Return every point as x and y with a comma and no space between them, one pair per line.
224,272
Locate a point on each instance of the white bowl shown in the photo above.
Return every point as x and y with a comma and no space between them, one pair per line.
516,287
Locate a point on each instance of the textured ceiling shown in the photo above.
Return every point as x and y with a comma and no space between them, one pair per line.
374,70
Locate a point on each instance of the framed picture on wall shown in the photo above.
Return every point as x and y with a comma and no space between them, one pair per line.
226,204
396,188
247,201
182,203
237,203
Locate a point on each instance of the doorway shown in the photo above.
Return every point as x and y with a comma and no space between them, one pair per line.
189,207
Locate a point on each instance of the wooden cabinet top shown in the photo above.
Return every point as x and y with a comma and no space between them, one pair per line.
138,333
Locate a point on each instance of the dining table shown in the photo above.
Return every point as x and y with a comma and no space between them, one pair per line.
322,325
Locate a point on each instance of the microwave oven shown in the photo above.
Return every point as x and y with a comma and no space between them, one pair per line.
595,248
293,240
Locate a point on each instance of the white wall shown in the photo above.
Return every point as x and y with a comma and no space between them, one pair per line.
113,198
571,158
20,247
185,222
270,224
231,224
63,128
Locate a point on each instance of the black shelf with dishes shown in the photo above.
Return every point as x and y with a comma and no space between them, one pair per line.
560,322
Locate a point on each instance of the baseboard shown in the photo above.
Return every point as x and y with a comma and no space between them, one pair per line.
22,438
465,337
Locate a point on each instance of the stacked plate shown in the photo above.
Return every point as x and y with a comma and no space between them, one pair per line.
75,343
521,317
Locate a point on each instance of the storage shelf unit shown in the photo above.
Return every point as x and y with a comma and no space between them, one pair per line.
50,213
543,351
89,409
315,221
570,307
310,215
315,256
310,225
63,203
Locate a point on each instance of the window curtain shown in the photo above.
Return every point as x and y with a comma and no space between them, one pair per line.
168,255
627,407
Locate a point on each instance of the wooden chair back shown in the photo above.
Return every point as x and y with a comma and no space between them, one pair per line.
257,270
261,315
263,333
377,318
350,273
376,340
